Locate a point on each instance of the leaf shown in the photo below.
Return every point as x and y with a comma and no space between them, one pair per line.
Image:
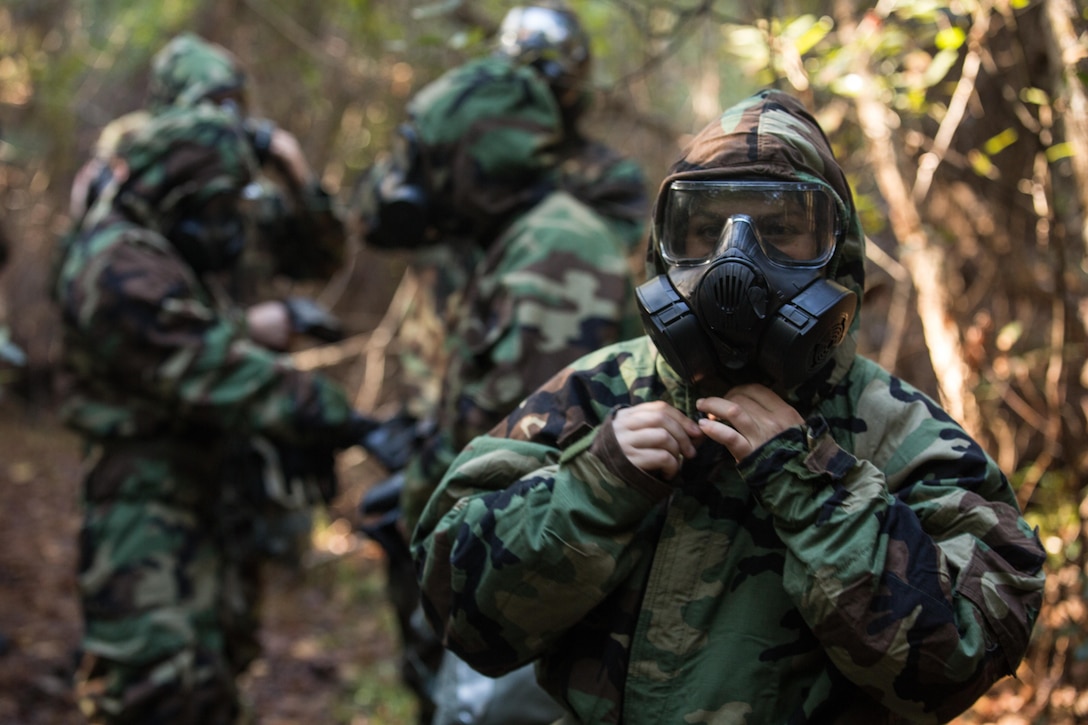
982,164
1059,151
1008,335
807,31
950,38
939,67
998,143
1036,96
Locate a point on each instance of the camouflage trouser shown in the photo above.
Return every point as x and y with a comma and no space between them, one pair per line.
169,610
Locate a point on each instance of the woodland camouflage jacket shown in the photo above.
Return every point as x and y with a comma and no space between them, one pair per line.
869,566
555,285
551,283
611,184
150,351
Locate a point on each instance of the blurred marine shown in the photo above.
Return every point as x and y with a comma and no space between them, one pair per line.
168,379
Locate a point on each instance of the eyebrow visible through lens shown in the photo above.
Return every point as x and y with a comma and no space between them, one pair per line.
703,232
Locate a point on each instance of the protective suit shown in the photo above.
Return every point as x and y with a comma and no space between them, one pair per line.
866,564
549,282
163,384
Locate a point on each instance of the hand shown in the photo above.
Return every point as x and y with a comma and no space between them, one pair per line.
286,153
269,325
311,466
656,437
395,441
308,317
746,418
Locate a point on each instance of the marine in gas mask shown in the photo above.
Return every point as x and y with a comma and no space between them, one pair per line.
737,517
169,387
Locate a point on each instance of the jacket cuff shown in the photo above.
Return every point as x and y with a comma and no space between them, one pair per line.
606,447
824,454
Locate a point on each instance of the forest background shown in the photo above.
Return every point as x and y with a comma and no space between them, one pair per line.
963,128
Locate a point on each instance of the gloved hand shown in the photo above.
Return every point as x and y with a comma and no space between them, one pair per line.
310,318
313,465
259,131
379,510
395,440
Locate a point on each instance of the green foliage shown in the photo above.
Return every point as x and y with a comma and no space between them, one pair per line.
373,689
379,697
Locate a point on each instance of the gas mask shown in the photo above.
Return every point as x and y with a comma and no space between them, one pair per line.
745,297
212,237
394,202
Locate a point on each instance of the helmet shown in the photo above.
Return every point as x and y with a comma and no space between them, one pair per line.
185,170
189,70
548,37
755,251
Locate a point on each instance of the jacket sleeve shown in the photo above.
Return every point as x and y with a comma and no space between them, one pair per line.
511,521
544,501
154,334
910,560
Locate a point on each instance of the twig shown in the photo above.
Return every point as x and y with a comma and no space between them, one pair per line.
924,261
366,398
897,313
957,107
1054,389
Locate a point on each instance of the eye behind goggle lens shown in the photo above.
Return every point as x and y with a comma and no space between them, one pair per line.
796,223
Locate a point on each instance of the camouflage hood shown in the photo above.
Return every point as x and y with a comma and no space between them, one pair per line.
771,135
491,125
177,161
188,70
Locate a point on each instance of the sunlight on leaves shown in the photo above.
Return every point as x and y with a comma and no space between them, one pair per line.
950,38
1059,151
808,30
995,144
939,67
747,44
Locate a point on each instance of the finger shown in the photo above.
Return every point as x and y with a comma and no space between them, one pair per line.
650,438
684,432
665,418
656,461
765,405
723,409
733,440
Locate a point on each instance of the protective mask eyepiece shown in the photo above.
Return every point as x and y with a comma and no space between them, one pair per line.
796,224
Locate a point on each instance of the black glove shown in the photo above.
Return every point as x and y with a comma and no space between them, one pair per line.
309,318
259,131
380,512
314,464
395,440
